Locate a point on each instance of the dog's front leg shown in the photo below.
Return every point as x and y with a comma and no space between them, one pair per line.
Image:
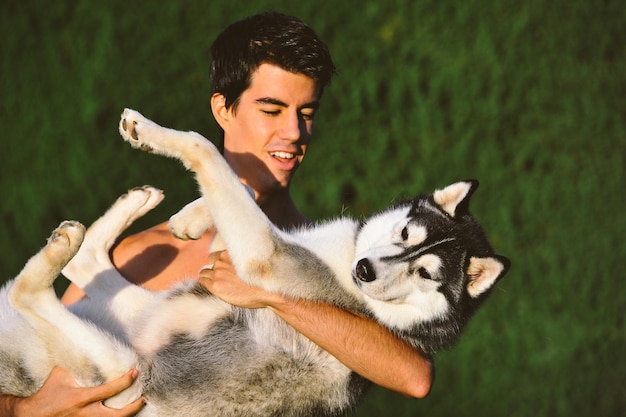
192,221
32,294
246,231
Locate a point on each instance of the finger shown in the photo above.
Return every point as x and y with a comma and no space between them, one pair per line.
109,389
212,258
133,408
205,275
126,411
225,256
224,262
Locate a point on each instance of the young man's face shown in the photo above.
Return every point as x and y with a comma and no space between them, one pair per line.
267,135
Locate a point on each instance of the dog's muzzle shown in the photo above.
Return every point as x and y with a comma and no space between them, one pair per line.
364,271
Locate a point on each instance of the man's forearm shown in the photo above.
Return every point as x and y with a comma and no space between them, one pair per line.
358,342
8,405
361,344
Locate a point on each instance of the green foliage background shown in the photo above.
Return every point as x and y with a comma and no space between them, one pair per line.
526,96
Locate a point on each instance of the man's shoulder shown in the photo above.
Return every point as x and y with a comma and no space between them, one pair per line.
156,259
142,249
158,234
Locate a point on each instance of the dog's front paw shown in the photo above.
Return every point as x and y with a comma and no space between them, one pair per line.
131,124
192,221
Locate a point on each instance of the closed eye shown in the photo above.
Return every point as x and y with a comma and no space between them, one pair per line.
307,113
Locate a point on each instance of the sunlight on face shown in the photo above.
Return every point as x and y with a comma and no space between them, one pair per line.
269,131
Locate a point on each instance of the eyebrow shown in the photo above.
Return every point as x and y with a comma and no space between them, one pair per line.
273,101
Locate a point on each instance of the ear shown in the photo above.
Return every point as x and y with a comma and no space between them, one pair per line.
220,112
484,272
455,198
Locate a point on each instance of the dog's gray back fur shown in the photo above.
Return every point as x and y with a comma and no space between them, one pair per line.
251,363
230,372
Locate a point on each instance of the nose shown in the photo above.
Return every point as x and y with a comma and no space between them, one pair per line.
365,271
292,128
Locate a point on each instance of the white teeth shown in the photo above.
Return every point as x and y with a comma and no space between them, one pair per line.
283,155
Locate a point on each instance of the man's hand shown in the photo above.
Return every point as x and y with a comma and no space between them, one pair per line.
222,280
60,396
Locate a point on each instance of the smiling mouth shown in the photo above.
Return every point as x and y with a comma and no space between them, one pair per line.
283,155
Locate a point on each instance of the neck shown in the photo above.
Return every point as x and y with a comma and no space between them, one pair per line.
281,210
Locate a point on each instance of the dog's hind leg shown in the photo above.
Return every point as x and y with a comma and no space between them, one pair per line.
246,231
32,290
93,271
90,355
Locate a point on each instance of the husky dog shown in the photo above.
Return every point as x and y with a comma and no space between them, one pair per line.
420,268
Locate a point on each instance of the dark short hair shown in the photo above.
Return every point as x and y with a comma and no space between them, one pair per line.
271,38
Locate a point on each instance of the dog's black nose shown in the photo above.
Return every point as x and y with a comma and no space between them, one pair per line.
365,271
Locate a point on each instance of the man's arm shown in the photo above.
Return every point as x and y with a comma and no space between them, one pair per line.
358,342
60,396
361,344
8,403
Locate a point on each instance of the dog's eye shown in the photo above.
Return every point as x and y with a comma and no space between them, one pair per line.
424,273
405,233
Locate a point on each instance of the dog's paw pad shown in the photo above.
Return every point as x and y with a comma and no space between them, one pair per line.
129,126
69,234
129,130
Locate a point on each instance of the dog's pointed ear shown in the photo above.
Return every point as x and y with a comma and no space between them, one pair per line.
454,199
484,272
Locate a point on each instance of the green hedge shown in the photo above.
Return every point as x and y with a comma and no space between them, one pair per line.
528,97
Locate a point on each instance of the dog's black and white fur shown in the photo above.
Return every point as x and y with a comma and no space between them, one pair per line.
420,268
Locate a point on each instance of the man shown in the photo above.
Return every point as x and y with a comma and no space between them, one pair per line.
268,75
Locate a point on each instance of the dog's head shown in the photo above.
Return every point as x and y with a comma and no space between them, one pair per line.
426,265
